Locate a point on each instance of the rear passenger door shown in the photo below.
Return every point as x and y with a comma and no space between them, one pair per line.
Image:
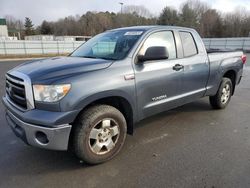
196,67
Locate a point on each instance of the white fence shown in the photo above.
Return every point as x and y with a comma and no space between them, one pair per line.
228,43
22,47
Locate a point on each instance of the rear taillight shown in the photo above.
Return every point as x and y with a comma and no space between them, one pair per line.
244,59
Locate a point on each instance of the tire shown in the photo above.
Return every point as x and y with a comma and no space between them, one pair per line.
99,134
223,95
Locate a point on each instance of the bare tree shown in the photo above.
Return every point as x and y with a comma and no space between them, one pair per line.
138,10
236,23
15,26
192,13
211,24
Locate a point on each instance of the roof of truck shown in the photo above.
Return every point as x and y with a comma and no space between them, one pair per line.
151,27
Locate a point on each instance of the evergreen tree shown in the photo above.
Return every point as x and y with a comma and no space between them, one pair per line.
29,30
46,28
168,16
189,17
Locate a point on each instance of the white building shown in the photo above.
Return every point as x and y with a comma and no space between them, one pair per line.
3,28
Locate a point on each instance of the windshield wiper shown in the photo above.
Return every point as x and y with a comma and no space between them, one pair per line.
107,58
93,57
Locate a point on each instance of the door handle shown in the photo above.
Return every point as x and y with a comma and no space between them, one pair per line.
178,67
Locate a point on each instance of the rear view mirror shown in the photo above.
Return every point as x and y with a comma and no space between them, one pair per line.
154,53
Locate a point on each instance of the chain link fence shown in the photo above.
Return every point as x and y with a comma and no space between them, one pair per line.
228,43
23,47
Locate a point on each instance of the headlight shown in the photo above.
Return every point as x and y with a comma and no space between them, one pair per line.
50,93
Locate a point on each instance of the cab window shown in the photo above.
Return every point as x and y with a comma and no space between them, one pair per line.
162,38
189,46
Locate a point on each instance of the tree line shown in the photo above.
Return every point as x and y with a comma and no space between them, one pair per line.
193,13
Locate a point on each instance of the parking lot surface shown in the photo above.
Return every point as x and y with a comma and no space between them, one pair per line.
191,146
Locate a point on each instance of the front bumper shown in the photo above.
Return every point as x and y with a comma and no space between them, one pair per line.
44,129
49,138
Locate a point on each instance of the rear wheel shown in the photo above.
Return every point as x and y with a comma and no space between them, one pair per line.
99,134
223,95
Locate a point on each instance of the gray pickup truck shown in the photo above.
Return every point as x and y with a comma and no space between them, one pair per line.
89,101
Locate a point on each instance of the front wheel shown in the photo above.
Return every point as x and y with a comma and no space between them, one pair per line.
223,95
99,134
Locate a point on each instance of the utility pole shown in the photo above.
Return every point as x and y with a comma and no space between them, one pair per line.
121,6
20,29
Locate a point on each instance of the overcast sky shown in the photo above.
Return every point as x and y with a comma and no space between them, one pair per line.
51,10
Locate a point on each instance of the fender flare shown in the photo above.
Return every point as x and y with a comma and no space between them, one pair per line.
105,94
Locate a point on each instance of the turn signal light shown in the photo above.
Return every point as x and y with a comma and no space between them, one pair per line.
244,59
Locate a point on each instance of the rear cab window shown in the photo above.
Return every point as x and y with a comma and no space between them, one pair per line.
188,44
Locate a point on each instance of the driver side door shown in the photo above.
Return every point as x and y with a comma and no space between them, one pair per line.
158,85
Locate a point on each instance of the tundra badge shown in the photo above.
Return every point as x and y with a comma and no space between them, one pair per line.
159,98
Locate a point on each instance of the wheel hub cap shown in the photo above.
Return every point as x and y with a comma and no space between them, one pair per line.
225,94
104,136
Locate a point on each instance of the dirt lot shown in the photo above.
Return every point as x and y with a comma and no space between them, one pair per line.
191,146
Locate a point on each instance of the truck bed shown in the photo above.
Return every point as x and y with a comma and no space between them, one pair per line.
222,55
215,50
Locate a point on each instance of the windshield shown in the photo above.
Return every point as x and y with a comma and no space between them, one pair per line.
113,45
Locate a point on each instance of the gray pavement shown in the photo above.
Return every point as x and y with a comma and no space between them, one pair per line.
191,146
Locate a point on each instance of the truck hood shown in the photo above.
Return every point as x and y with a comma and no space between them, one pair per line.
46,69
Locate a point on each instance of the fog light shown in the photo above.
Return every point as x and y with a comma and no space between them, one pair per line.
41,137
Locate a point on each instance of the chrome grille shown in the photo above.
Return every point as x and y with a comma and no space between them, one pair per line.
15,90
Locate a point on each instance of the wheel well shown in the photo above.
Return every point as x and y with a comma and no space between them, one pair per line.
122,105
232,76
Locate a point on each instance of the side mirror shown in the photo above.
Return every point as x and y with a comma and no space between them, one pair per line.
154,53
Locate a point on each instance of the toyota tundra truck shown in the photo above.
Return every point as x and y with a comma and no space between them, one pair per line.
90,100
